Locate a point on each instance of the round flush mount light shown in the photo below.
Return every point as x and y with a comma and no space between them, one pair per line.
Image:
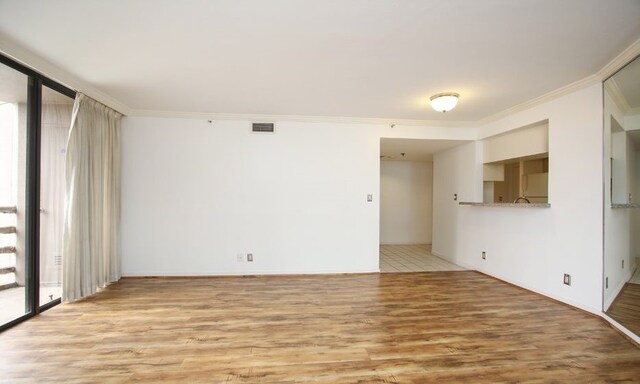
443,102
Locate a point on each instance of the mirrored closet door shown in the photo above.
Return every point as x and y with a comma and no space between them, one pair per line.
622,196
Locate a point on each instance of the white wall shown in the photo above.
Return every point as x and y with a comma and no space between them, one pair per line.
457,171
520,142
406,199
195,195
533,247
619,166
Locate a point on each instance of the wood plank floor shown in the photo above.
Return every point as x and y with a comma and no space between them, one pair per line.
430,327
626,307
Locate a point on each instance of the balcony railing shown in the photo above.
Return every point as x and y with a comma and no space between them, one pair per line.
13,210
8,249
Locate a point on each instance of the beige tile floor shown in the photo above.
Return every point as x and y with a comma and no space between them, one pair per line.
412,258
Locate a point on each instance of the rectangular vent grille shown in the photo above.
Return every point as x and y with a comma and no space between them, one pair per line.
263,127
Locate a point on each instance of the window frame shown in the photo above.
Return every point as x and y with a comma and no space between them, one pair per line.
36,81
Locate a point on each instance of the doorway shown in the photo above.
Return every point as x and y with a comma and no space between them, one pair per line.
406,205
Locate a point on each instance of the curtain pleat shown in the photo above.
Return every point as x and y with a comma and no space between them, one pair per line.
56,120
91,241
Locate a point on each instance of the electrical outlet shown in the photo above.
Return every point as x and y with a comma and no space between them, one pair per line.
484,255
622,264
249,257
455,197
567,279
240,257
369,198
606,282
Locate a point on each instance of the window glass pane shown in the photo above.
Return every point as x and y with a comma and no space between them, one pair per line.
55,120
13,128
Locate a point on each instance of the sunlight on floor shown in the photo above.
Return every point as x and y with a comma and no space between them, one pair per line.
13,304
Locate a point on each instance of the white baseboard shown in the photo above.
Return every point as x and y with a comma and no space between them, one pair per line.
614,293
621,328
585,308
588,309
456,262
594,311
247,273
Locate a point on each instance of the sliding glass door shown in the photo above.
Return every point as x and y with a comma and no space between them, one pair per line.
35,116
55,122
13,128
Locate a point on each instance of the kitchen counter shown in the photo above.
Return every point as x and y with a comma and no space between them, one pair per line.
509,205
626,205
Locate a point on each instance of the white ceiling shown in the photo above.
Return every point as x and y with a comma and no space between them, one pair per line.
353,58
414,149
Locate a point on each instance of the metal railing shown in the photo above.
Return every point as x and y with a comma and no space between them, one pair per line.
8,249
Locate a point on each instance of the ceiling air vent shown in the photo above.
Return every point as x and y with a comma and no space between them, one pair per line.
263,128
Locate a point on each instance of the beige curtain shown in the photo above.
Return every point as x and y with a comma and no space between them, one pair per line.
56,120
91,240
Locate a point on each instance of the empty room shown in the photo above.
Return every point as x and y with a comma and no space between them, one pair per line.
288,191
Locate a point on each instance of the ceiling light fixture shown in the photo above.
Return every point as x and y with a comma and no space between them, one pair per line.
443,102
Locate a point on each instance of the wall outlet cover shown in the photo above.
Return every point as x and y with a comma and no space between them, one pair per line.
249,257
567,279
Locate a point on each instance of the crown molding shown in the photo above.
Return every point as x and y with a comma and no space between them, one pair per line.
565,90
604,73
298,118
16,51
624,58
616,95
26,57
